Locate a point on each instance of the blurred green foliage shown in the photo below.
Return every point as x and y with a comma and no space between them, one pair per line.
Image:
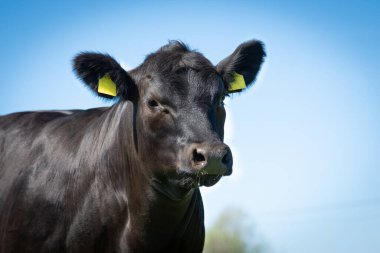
233,232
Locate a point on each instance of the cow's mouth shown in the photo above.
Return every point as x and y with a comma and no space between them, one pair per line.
208,180
193,180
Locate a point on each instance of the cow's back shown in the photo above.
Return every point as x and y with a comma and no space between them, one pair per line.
19,133
38,195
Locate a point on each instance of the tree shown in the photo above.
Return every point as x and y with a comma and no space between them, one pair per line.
232,232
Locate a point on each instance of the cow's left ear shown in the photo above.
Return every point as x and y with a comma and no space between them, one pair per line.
103,75
241,67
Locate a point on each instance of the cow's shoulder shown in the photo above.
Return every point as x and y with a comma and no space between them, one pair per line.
36,119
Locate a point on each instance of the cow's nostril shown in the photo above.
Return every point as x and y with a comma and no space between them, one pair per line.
198,158
226,158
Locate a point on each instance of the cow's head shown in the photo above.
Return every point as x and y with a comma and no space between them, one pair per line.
178,106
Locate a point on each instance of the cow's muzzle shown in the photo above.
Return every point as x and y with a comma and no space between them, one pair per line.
211,159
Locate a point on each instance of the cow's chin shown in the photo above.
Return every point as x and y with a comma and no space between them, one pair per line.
190,180
209,180
179,187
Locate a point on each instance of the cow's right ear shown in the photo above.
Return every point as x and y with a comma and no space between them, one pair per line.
103,75
239,70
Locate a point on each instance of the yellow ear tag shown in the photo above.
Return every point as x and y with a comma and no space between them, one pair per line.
107,86
237,84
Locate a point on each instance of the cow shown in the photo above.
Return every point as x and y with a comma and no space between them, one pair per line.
123,178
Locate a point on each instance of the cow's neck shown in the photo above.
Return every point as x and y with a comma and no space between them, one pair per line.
169,212
168,205
114,133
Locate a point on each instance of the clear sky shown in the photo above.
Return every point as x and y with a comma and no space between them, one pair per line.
306,137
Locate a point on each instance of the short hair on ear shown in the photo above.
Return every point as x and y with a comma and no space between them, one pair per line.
90,67
246,60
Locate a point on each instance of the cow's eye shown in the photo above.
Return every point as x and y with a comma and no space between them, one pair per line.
152,103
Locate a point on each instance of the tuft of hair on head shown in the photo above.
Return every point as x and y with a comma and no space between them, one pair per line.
175,46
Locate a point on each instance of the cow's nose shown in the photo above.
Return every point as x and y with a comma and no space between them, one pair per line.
213,159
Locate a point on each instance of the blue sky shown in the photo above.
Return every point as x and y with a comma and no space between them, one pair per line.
306,137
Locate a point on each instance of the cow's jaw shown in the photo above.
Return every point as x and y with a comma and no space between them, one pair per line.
170,190
209,180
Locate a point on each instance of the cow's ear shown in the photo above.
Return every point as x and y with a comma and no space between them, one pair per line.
241,67
103,75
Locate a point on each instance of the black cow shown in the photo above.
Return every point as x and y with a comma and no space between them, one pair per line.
124,178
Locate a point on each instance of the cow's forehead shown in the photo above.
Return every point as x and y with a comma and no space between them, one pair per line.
190,85
175,70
